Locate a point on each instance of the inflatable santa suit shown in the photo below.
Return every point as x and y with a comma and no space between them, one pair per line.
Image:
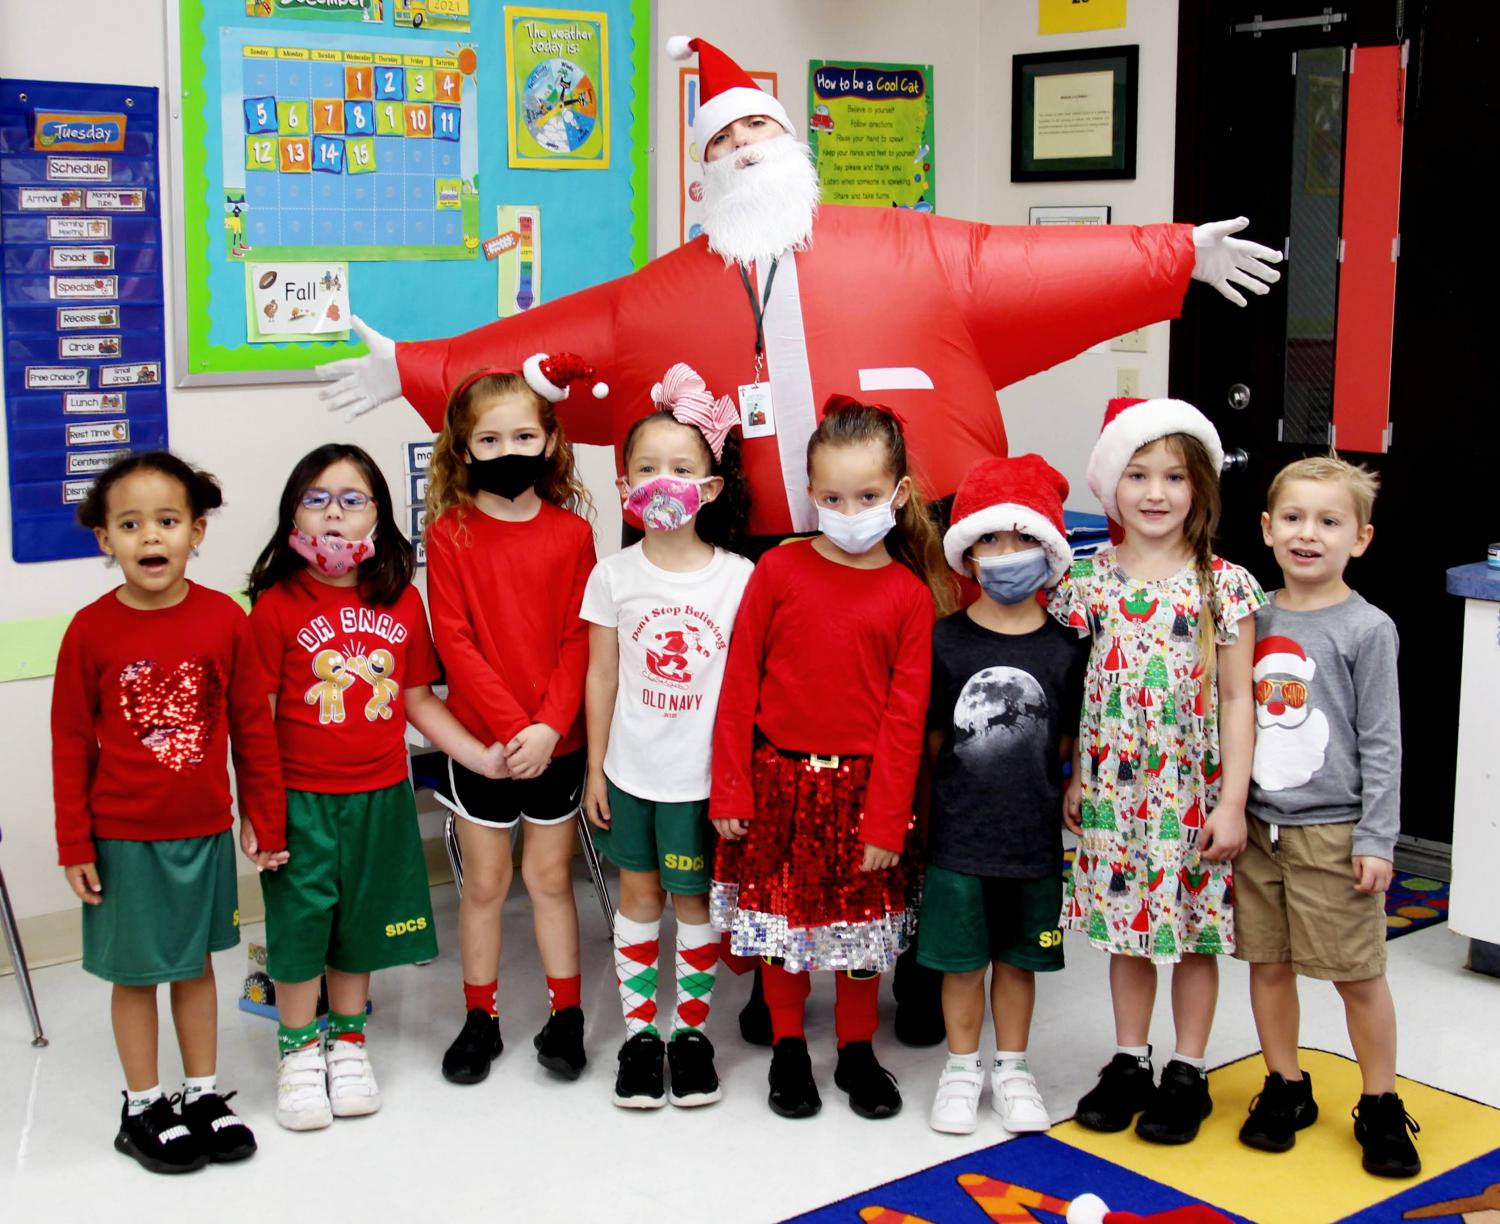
783,304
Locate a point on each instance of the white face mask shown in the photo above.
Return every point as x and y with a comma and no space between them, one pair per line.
858,533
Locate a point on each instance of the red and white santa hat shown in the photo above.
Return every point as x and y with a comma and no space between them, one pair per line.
1091,1209
726,92
552,377
1021,494
1280,656
1130,424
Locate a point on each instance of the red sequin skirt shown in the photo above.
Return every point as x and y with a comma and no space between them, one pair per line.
792,887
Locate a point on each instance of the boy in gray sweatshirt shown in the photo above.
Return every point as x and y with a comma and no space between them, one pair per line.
1324,811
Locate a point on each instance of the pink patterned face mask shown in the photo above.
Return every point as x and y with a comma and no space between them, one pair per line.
332,556
665,503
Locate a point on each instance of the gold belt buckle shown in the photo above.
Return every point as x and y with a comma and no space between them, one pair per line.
815,761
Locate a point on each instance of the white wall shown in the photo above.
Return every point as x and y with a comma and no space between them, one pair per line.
250,437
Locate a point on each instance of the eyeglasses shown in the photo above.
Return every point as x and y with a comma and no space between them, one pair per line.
349,499
1293,692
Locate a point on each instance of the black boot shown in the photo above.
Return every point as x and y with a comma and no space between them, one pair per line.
755,1016
919,1002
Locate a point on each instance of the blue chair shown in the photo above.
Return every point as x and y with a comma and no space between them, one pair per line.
18,959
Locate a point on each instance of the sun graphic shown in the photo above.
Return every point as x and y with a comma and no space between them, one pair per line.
467,56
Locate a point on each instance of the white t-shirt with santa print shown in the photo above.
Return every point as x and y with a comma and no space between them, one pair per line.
673,630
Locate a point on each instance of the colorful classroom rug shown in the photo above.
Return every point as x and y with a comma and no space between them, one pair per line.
1411,903
1032,1179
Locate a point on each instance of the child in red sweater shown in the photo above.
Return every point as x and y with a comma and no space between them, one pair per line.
816,749
153,682
508,558
348,662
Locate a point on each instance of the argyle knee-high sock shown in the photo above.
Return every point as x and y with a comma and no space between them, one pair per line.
637,949
697,970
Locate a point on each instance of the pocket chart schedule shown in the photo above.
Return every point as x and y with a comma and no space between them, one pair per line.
83,339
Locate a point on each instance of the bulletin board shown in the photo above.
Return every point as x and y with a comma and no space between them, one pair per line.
336,159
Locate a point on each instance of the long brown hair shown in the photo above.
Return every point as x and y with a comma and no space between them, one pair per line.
448,474
914,541
1198,532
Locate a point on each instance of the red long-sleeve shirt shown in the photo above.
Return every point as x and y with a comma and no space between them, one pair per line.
504,599
143,706
830,659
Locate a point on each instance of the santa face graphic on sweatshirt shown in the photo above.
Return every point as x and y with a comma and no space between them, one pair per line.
1291,732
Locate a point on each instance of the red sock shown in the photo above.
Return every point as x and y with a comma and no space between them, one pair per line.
480,998
733,961
786,994
855,1010
564,993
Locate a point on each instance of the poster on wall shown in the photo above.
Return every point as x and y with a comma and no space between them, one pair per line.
322,10
557,89
517,250
871,132
430,14
689,156
84,342
1078,16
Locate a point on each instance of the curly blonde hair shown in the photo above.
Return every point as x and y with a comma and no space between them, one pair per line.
448,474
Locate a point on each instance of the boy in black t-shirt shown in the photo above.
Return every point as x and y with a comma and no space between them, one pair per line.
1007,685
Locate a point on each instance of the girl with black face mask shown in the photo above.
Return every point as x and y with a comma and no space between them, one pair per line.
508,557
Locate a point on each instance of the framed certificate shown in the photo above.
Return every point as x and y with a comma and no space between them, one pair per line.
1073,115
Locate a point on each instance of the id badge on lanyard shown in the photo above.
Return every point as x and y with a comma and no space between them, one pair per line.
757,413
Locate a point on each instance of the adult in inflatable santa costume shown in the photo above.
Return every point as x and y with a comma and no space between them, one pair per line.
928,315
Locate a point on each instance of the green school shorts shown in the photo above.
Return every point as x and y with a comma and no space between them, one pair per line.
354,895
167,905
671,839
968,921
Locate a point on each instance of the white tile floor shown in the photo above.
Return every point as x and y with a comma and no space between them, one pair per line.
525,1147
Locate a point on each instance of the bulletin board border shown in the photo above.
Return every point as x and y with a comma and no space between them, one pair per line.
187,127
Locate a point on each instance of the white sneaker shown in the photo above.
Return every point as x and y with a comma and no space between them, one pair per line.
955,1108
351,1084
1018,1100
302,1090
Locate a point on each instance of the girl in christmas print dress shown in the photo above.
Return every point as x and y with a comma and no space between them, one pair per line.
819,734
1162,767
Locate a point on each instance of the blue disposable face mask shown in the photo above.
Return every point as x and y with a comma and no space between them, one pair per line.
1014,577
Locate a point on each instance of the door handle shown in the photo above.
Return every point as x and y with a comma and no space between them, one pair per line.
1239,397
1236,460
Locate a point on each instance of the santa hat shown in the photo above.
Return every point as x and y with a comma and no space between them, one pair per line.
550,377
1090,1209
1280,656
1130,424
1021,494
726,92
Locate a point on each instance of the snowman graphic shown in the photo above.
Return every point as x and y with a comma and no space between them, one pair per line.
1291,736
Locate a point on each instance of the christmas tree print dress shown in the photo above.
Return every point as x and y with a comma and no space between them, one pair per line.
1149,742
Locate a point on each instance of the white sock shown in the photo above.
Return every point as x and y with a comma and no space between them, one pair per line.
1011,1060
195,1086
140,1102
1198,1064
1142,1054
963,1062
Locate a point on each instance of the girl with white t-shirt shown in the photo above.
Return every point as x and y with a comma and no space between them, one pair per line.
661,613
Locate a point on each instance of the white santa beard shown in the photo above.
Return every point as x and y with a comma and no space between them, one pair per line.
1287,757
759,211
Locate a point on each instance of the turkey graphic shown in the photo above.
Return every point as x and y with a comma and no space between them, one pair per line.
1291,736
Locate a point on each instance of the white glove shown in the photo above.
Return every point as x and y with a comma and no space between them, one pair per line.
1223,262
362,383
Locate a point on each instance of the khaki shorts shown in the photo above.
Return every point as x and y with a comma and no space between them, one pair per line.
1298,904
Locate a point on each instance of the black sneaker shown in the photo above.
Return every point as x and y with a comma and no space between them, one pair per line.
559,1046
1126,1086
694,1081
159,1140
219,1132
1181,1104
478,1044
755,1016
1280,1109
872,1089
638,1083
794,1092
1380,1125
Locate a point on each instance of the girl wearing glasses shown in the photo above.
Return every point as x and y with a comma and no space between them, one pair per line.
347,660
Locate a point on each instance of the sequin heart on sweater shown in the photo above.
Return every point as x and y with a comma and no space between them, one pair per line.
175,711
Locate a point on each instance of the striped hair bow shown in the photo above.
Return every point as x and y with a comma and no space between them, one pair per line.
683,393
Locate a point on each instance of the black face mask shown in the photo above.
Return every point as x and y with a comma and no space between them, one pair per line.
507,476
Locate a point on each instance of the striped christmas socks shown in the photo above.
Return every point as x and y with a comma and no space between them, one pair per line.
697,971
637,948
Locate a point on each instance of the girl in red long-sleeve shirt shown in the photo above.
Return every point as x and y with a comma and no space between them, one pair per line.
816,749
508,558
155,683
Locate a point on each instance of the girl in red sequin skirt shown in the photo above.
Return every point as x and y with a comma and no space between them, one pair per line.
816,748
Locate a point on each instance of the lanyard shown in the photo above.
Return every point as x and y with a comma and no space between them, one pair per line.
758,309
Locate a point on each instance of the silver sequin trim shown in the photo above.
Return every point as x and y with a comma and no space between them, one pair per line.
864,946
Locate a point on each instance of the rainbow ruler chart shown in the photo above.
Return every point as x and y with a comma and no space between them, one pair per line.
82,287
349,148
